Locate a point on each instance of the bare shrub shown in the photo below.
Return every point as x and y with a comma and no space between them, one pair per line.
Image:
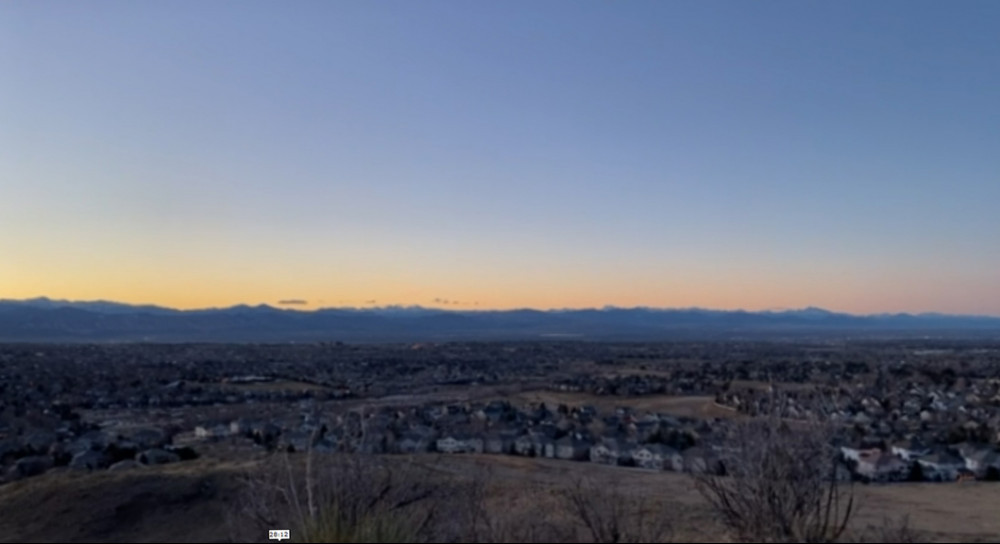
779,483
335,498
367,498
610,515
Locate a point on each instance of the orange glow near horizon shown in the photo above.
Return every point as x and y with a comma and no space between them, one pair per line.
211,270
187,290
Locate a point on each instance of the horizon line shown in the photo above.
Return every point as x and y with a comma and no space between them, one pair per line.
606,307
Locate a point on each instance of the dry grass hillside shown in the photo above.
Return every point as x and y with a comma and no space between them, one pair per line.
189,502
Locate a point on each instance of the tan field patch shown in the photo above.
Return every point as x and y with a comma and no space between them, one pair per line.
944,511
276,385
780,386
679,406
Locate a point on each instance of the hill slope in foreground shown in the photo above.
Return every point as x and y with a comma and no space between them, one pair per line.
190,502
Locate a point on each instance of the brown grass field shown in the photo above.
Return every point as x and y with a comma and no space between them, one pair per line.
680,406
276,385
188,502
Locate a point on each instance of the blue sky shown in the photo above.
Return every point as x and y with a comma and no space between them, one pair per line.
544,154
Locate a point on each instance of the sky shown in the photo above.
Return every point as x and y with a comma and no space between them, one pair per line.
480,155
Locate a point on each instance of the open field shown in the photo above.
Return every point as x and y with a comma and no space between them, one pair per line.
275,385
677,406
950,512
188,502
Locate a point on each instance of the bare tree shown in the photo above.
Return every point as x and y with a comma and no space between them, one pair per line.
779,483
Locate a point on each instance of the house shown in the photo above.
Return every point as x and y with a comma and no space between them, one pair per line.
213,432
524,445
887,468
415,442
450,444
941,466
434,412
543,441
499,442
625,412
861,461
547,446
239,427
625,449
908,450
535,443
868,464
656,457
983,461
605,452
985,464
573,448
672,459
701,459
459,443
584,414
855,455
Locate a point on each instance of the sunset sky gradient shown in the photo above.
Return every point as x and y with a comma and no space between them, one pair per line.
549,154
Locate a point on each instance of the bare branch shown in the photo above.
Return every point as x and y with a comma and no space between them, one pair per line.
780,483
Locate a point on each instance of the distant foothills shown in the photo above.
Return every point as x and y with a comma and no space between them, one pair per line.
47,320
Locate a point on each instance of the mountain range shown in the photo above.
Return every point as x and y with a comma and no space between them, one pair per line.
47,320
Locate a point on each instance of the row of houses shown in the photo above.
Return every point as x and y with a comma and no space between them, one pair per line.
620,437
576,447
652,441
967,411
916,463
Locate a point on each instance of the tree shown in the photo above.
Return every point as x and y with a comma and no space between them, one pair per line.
780,483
